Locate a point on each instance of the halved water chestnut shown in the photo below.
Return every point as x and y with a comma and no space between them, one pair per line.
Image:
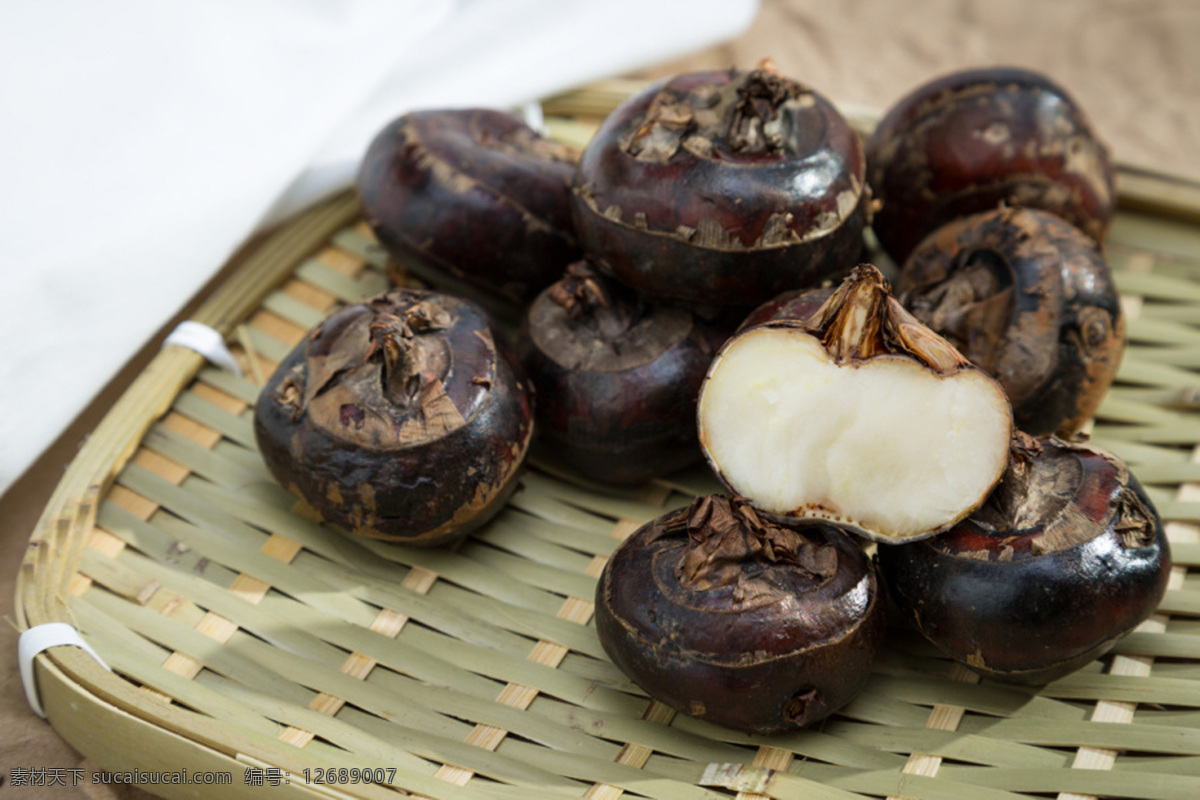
1030,298
1067,556
973,139
723,187
858,415
400,418
750,624
616,375
474,194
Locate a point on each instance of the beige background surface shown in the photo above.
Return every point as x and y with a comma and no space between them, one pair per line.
1135,66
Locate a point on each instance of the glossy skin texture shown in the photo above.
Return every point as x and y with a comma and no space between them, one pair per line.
416,446
971,140
693,191
763,641
797,304
1033,587
1029,298
616,384
475,195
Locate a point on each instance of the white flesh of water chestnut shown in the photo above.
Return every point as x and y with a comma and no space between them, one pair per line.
859,415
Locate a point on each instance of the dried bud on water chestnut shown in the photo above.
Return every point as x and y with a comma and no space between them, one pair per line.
971,140
723,188
859,415
1067,556
1029,298
399,418
753,625
616,376
471,197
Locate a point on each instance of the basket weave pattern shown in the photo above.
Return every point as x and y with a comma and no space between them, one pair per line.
241,629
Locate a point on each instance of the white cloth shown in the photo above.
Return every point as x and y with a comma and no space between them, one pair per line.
141,142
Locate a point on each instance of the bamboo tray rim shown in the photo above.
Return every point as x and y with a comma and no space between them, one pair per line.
69,679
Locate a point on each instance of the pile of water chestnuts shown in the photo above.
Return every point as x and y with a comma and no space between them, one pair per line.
693,287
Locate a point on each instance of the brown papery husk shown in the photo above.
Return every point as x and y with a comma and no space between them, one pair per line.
726,540
862,320
1052,496
399,418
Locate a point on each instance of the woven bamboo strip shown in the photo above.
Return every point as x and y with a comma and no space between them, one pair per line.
1150,374
486,581
817,781
1182,600
610,504
266,564
1109,711
1159,330
770,758
389,623
402,700
1187,356
987,782
1138,285
213,464
116,438
251,589
551,655
851,749
596,100
517,695
1159,645
643,725
1085,782
631,754
1117,409
268,349
1154,234
267,683
304,305
1116,711
942,718
1086,685
952,744
989,698
234,717
1175,434
1091,733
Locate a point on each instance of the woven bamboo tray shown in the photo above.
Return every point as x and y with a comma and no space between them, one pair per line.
246,638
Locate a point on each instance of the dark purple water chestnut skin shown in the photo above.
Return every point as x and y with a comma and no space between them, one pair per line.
474,194
723,188
973,139
754,625
616,375
1065,558
1031,299
797,304
399,418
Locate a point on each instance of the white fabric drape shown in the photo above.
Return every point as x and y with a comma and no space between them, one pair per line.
141,142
